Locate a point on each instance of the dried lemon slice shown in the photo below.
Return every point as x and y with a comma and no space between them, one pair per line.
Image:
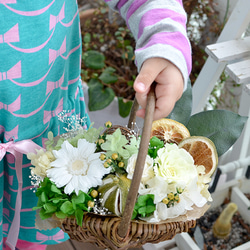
203,152
169,131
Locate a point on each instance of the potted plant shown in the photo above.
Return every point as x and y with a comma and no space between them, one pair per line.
108,62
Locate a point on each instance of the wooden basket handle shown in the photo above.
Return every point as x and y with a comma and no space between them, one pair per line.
142,154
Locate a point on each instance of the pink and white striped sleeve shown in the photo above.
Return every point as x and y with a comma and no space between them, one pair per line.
159,27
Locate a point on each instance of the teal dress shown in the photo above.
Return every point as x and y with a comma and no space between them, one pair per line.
40,60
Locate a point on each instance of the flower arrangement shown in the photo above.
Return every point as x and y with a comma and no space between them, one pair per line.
91,171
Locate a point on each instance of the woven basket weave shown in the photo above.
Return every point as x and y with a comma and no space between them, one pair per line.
103,231
113,232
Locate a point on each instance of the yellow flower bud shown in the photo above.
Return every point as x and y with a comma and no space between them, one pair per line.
102,157
176,197
121,164
171,196
165,201
108,124
100,141
106,165
114,156
91,203
94,193
109,161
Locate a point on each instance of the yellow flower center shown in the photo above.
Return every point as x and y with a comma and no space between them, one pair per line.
171,172
79,167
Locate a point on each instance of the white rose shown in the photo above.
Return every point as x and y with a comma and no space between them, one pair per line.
175,165
148,171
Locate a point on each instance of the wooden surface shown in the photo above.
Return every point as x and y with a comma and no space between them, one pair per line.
229,50
240,71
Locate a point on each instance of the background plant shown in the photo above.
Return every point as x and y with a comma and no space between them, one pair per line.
108,63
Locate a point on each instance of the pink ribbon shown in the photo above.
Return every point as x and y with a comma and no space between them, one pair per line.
14,106
53,54
55,19
17,149
12,73
57,237
11,36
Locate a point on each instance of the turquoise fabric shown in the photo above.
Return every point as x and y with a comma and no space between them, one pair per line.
40,56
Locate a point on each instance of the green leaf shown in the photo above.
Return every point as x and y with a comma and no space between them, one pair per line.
39,202
44,215
60,215
142,199
83,207
99,97
150,209
44,197
50,136
35,208
124,107
67,207
223,127
56,200
78,199
55,189
87,38
49,208
79,217
134,215
183,107
94,59
154,145
108,76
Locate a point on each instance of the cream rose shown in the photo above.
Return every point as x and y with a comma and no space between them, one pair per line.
41,162
175,165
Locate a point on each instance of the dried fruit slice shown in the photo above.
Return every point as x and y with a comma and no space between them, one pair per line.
203,151
113,193
169,131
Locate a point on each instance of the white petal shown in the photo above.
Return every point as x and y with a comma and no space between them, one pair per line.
59,162
69,188
84,183
94,157
86,148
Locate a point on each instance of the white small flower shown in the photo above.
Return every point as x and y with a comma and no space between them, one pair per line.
77,168
148,171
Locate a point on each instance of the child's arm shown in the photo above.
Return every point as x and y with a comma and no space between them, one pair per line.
163,51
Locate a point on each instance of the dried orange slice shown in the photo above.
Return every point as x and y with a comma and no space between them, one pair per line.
203,151
169,131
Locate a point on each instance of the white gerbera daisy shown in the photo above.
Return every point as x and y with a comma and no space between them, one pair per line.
77,168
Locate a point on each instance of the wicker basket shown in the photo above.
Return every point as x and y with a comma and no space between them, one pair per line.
113,232
103,231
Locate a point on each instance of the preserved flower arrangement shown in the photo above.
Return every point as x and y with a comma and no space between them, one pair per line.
91,171
118,189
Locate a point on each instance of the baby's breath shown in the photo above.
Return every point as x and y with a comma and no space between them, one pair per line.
74,123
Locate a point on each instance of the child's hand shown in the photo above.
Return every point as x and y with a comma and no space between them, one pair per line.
169,87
